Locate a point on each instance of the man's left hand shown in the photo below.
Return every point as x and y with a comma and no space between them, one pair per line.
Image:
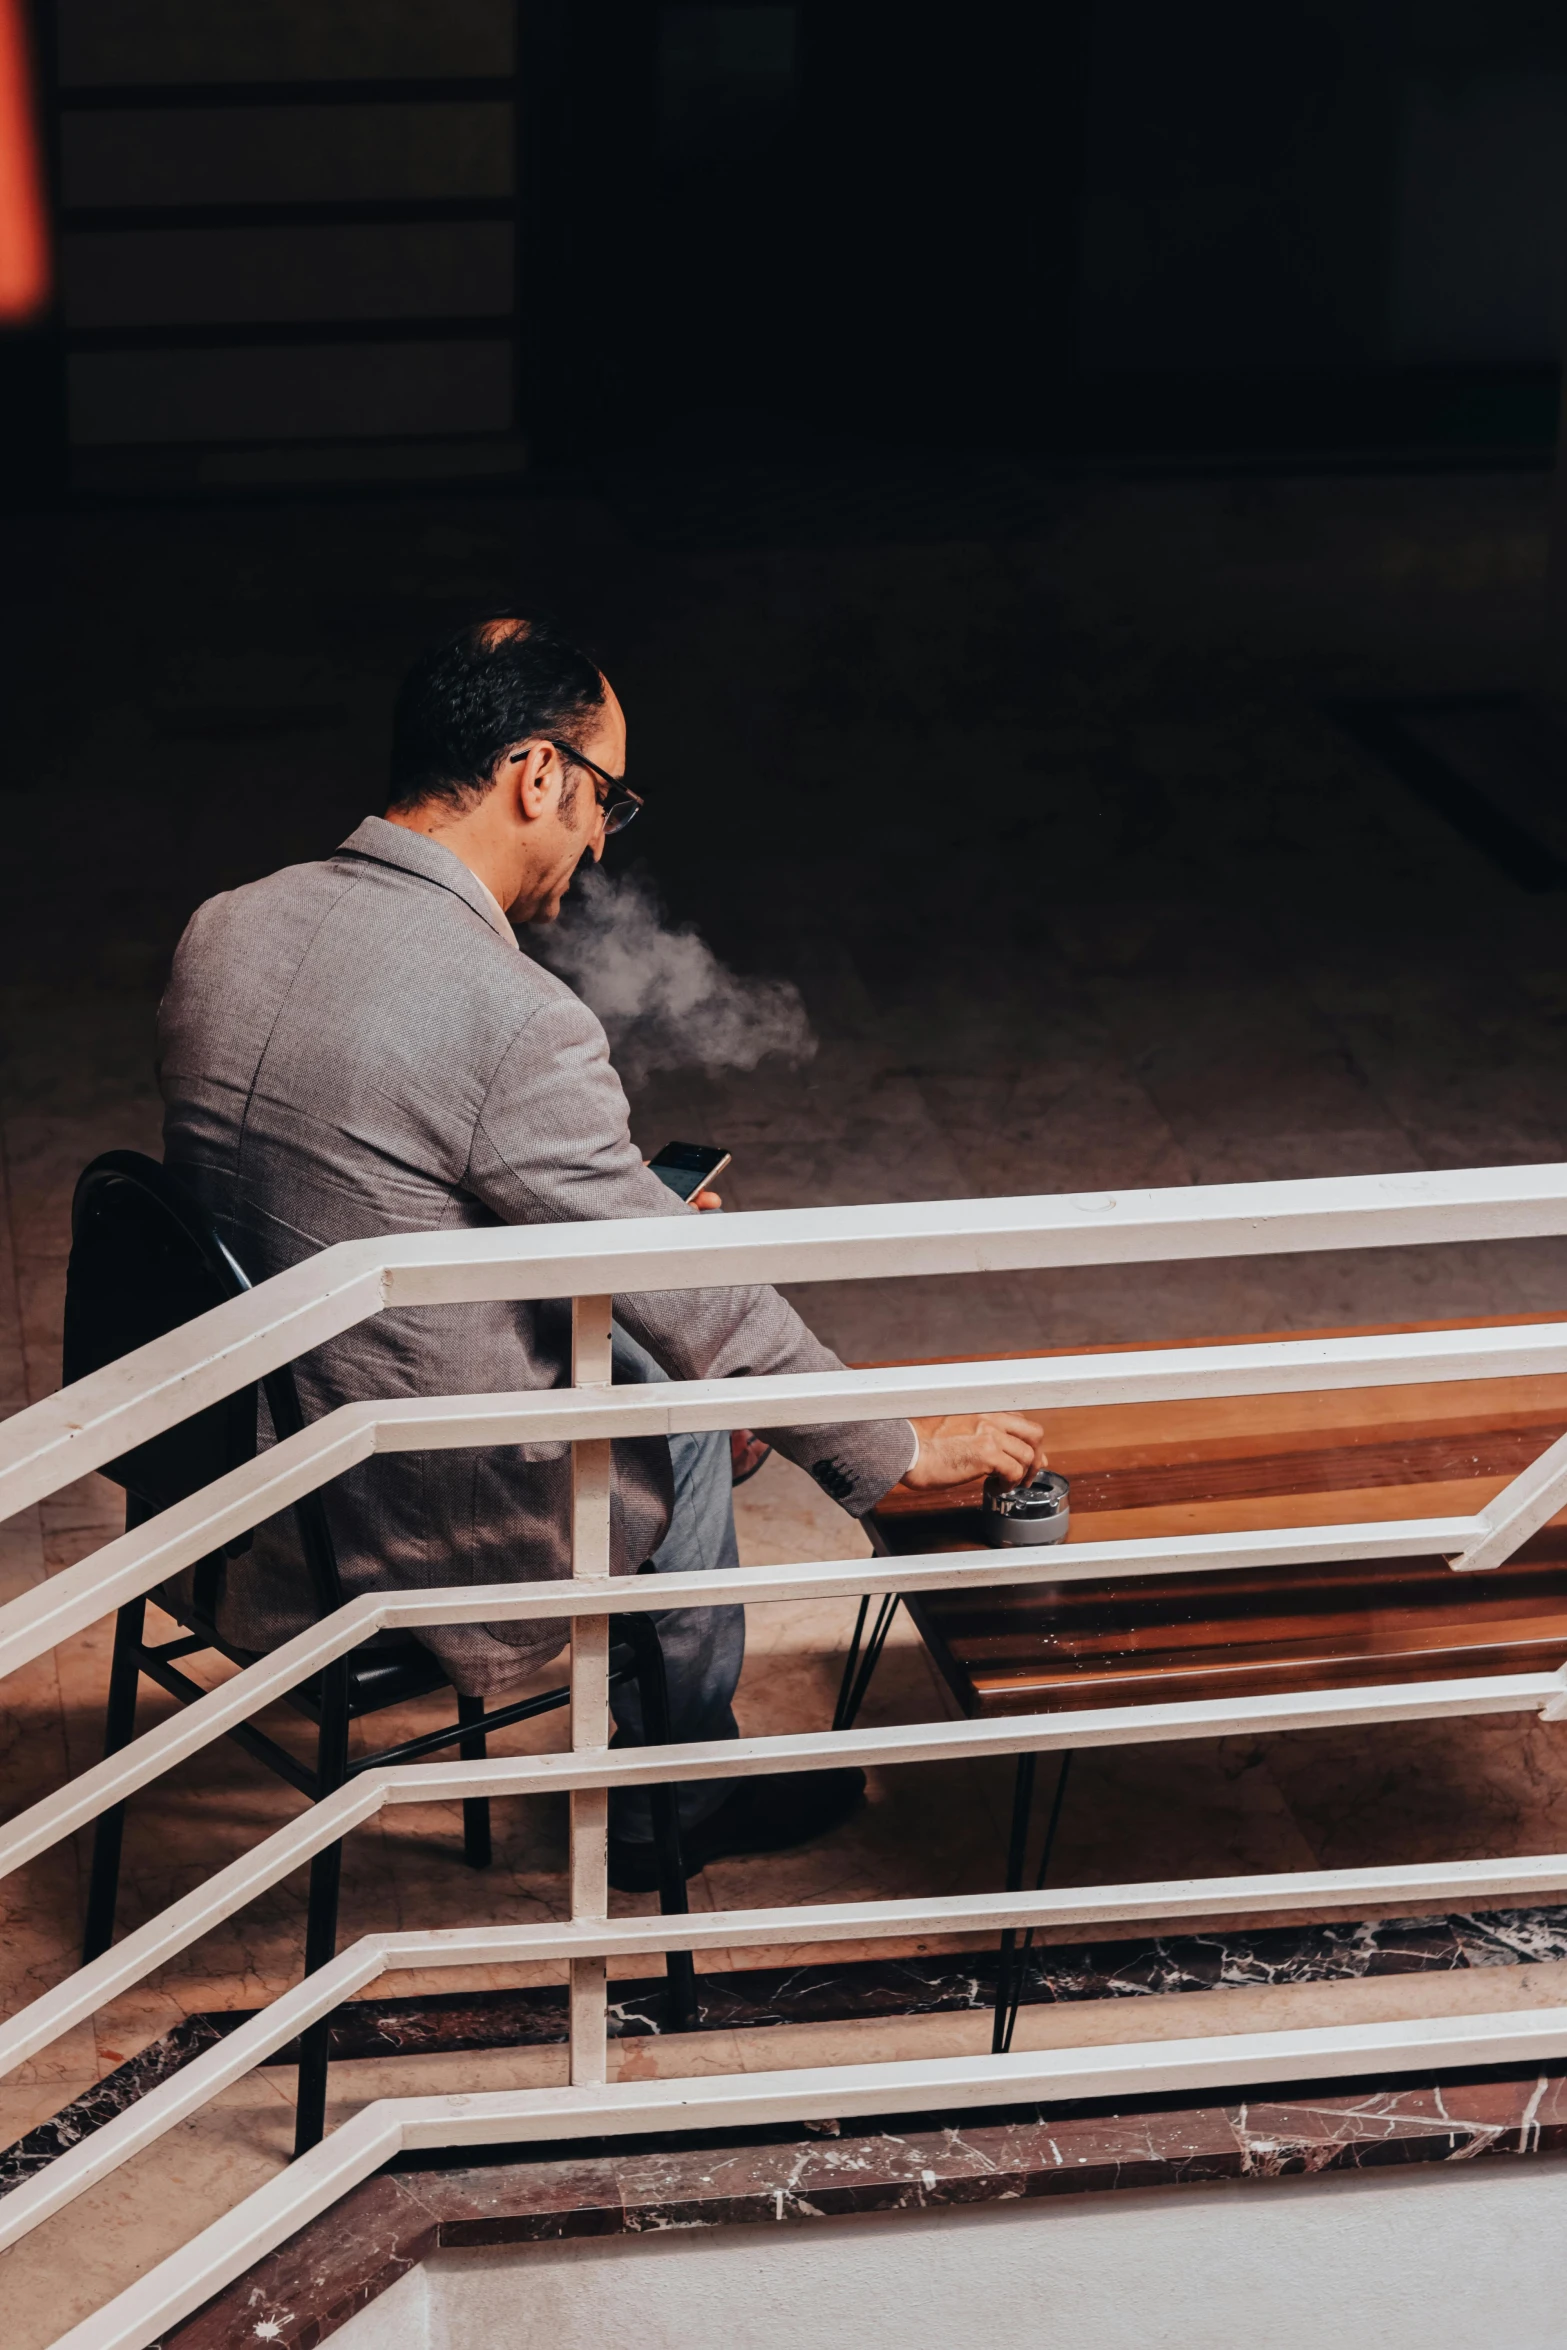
958,1447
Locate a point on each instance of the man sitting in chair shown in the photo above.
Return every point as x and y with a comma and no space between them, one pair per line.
359,1047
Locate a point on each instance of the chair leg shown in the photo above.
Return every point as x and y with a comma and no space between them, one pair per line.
326,1873
103,1883
653,1687
672,1900
476,1847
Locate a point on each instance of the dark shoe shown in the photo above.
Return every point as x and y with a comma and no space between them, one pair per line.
764,1814
747,1452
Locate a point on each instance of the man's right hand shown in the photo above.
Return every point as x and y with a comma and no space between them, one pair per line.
959,1447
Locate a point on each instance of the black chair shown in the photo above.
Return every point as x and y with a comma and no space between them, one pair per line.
145,1258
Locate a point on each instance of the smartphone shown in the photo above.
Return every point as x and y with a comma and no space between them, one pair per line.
687,1167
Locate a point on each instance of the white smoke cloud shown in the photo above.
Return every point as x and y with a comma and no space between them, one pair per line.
665,999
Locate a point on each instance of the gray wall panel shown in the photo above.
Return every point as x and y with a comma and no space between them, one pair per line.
1477,271
208,277
360,391
288,154
280,40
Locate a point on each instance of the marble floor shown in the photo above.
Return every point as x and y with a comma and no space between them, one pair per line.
1081,888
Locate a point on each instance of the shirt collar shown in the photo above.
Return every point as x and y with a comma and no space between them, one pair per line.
497,914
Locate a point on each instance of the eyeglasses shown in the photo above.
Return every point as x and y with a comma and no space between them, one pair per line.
618,803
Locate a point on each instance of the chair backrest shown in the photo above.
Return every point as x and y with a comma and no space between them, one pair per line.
145,1258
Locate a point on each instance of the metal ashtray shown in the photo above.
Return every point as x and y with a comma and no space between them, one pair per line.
1032,1513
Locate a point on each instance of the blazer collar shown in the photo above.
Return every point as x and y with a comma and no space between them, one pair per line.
414,852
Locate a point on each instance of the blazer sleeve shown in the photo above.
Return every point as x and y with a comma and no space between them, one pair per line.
552,1145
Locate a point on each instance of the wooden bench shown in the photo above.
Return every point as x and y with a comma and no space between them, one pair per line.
1207,1466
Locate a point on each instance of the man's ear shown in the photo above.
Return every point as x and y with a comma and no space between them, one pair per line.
535,779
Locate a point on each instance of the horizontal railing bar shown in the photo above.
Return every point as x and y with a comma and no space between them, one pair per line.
1466,1881
244,1693
1229,2061
196,2084
1042,1733
233,1504
1144,2068
1300,1366
34,2026
161,1384
946,1570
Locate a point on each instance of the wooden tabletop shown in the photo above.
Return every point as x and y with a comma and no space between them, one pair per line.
1224,1465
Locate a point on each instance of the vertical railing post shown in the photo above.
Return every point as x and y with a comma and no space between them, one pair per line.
590,1473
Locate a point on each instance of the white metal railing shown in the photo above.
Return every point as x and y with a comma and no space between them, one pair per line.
102,1416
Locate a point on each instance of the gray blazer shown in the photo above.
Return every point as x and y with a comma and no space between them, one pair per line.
358,1047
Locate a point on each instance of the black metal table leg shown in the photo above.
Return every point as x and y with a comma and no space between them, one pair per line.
1010,1967
858,1670
1017,1854
856,1680
851,1664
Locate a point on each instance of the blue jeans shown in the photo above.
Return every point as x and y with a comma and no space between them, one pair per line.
703,1647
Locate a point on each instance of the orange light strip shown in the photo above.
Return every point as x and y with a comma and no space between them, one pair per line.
24,240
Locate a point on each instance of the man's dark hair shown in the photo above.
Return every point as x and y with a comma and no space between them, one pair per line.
491,684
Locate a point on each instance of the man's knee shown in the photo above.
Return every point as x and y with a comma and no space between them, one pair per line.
701,1533
701,1537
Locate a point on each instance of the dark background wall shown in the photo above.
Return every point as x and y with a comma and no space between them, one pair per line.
328,240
